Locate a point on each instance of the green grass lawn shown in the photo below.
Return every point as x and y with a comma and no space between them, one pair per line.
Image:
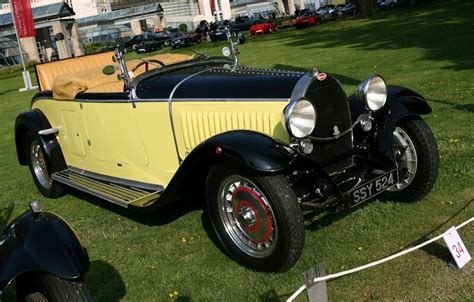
145,258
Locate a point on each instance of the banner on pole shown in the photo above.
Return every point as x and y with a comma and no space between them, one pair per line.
21,11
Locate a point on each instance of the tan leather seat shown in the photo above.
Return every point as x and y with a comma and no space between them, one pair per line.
72,76
48,72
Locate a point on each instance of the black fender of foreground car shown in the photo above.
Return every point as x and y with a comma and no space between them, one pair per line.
40,242
33,121
254,151
401,103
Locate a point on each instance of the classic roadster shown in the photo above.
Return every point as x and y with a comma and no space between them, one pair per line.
259,145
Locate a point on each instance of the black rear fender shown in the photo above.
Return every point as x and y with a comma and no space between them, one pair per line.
40,242
401,103
33,121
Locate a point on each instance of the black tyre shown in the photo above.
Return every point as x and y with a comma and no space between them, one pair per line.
40,169
418,161
256,218
50,288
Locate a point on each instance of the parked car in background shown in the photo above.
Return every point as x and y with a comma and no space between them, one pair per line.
146,42
384,4
180,40
243,23
263,27
43,254
349,9
220,34
337,11
165,37
286,23
324,12
305,21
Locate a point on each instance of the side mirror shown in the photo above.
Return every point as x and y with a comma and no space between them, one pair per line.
109,70
114,59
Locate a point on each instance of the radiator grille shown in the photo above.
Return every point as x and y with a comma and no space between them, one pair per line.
199,126
333,110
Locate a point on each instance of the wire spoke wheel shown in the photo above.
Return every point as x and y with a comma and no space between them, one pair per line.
416,153
247,216
39,166
257,218
407,159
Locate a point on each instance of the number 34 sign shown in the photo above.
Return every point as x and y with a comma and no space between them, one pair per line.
456,247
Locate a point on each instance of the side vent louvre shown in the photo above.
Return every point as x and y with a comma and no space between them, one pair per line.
199,126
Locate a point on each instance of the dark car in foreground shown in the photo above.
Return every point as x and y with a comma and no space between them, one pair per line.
41,252
259,146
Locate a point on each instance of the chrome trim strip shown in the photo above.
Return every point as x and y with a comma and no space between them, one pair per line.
118,181
230,99
170,106
301,86
48,131
298,93
136,99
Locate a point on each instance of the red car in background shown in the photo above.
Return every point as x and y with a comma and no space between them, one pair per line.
263,28
304,21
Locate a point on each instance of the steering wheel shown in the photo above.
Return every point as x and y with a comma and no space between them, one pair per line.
145,62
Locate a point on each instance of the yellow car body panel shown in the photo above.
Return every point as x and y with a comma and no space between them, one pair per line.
195,122
115,139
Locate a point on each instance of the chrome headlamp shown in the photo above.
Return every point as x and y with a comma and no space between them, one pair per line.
372,92
300,118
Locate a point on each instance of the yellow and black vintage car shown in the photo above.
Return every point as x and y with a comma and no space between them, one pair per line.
258,145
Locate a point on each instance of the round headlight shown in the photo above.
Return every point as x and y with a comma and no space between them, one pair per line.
300,118
373,92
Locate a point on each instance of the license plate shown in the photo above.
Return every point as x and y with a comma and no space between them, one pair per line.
373,187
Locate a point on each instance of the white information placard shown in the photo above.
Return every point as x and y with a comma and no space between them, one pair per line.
456,247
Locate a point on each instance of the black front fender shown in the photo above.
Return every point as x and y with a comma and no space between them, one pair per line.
401,103
255,151
40,242
33,121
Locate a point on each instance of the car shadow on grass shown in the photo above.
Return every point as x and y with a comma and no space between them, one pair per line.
316,220
443,31
437,249
105,282
5,214
164,215
459,107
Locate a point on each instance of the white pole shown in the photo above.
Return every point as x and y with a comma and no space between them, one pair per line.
218,17
26,74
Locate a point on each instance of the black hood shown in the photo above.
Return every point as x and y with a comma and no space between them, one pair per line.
214,81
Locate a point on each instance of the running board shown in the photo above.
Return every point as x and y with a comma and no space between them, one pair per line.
122,195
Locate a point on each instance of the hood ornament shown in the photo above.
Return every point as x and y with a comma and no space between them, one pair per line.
316,73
